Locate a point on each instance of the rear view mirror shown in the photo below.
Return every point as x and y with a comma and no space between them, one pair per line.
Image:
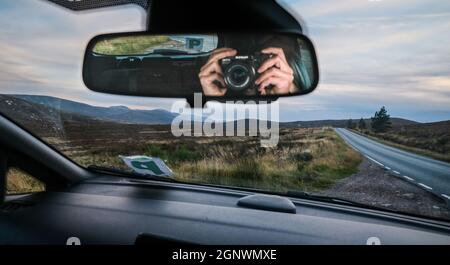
221,66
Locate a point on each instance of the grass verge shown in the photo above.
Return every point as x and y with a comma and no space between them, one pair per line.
419,151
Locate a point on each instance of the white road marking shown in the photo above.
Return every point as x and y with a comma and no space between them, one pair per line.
396,172
408,178
425,186
375,161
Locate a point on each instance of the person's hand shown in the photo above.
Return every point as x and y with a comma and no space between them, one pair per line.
276,72
211,74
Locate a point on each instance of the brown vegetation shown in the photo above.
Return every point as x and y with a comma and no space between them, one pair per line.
430,139
308,159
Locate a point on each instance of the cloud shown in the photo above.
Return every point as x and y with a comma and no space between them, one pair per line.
43,53
392,52
331,10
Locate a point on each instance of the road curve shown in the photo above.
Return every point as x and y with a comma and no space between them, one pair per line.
428,173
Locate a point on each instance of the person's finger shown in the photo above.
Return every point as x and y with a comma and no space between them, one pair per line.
275,81
276,51
274,61
219,50
222,54
212,89
212,67
262,91
222,91
215,91
215,57
273,72
215,77
277,62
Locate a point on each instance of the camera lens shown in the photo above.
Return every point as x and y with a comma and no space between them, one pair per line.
238,76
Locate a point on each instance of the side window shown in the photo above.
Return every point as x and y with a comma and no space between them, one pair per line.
19,182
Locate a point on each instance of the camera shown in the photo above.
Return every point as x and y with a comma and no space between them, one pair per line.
240,71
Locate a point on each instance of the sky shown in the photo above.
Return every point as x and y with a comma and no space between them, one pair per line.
372,53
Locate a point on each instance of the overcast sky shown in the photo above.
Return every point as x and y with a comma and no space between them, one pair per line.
371,53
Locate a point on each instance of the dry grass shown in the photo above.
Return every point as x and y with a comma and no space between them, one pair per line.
18,182
305,159
428,139
310,159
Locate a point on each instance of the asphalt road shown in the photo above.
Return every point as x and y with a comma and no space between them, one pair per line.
428,173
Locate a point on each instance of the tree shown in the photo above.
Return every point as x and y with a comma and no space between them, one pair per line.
350,124
380,122
362,124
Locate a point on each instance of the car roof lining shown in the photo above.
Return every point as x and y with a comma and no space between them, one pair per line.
93,4
197,15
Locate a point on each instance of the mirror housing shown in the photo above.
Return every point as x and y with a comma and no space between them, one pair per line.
179,65
227,16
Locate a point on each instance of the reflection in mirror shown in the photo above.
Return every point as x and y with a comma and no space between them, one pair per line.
156,44
228,65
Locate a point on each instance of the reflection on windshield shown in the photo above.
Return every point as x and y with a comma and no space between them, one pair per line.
161,44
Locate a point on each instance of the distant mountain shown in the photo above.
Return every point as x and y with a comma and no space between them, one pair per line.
43,109
121,114
39,118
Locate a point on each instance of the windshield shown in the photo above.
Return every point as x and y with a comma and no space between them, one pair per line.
375,131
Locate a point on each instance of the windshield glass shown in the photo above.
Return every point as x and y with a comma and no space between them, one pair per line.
376,130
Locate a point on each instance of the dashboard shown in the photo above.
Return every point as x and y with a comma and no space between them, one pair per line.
115,210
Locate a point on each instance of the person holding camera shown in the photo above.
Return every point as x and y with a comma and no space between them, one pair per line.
273,75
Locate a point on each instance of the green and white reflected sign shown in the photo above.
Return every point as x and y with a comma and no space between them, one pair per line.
147,165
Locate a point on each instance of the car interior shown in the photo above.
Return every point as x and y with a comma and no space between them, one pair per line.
98,205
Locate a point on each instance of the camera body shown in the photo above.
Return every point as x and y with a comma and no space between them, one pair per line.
240,71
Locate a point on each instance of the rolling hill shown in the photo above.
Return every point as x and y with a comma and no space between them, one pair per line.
46,111
342,123
120,114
